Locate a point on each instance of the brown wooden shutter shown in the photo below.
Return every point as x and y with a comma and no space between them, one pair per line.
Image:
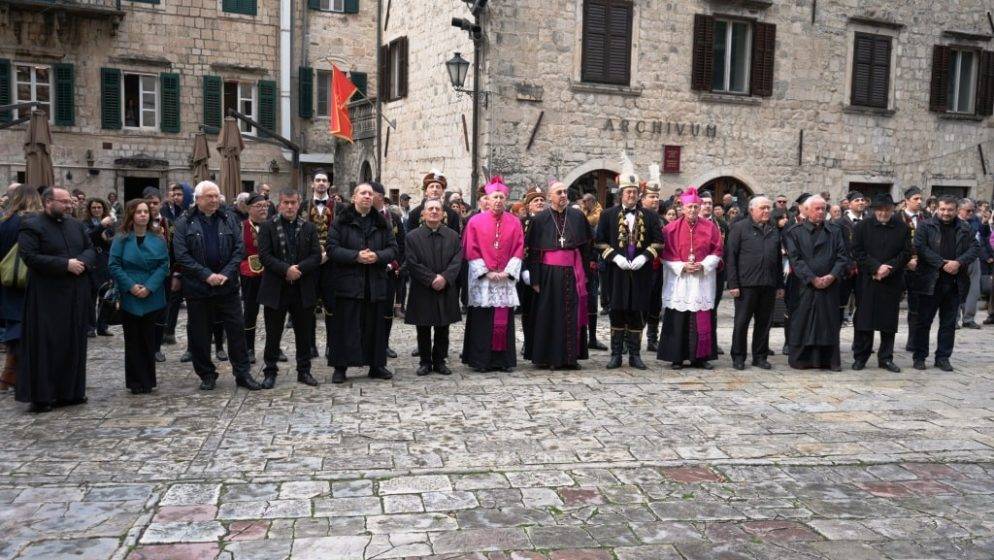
871,70
985,84
595,15
383,86
938,101
703,62
618,63
402,63
764,38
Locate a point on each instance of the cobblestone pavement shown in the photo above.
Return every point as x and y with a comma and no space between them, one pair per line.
587,465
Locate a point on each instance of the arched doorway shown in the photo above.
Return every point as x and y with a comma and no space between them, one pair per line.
721,186
365,172
599,182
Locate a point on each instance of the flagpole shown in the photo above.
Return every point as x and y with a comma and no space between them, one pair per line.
379,96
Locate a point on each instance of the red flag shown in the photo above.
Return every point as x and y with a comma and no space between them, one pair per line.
342,90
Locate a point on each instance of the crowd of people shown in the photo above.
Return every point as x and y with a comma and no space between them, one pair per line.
655,266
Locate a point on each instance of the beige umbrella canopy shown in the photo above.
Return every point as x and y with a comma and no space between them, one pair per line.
37,152
230,146
201,154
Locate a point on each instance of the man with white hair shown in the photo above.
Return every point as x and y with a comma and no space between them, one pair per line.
819,259
754,270
208,247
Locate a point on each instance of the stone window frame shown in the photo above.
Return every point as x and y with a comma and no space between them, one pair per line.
14,89
969,184
750,26
158,101
885,29
576,75
957,50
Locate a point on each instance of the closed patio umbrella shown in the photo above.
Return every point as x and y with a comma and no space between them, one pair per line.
38,152
230,146
201,155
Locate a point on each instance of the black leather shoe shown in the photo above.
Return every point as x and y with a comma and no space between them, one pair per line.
105,332
314,352
187,357
248,382
423,371
720,351
835,369
702,364
920,365
635,361
909,348
738,364
785,350
269,381
762,364
857,366
443,369
282,357
415,353
380,373
208,384
890,366
338,377
307,379
390,353
967,325
221,355
252,358
160,357
944,365
614,362
676,365
39,408
91,334
989,320
595,344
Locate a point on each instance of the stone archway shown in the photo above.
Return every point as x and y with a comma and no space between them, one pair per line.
720,186
595,176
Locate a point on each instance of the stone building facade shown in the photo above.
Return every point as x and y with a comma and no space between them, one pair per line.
745,96
127,82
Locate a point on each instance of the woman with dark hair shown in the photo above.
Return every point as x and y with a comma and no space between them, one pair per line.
139,264
23,201
99,224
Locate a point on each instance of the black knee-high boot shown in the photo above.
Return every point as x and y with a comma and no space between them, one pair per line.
593,343
652,334
635,350
617,337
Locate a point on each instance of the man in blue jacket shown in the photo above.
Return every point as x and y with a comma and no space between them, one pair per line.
208,246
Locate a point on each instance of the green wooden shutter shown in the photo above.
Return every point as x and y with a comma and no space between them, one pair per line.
247,7
351,6
314,4
305,92
169,121
360,80
267,105
65,94
212,102
110,98
6,97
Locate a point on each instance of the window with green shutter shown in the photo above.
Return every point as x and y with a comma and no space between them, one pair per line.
267,105
110,98
5,90
246,7
169,101
360,80
351,6
212,102
65,94
305,92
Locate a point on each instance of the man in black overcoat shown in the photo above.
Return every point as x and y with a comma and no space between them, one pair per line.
291,256
433,259
881,247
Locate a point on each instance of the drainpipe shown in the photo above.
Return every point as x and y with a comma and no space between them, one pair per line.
286,64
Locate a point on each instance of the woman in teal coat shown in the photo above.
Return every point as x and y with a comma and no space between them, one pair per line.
139,265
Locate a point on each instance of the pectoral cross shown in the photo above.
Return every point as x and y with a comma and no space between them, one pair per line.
562,241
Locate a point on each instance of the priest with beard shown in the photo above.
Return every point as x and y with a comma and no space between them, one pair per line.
691,255
58,253
559,254
819,259
360,246
493,244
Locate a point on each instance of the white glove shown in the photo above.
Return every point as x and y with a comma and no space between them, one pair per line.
638,262
622,262
526,278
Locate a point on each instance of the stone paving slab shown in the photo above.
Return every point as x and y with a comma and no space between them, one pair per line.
536,465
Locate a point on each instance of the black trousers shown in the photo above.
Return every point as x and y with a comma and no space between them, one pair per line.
303,329
753,304
862,347
202,315
175,301
139,349
250,309
913,304
944,301
433,352
627,320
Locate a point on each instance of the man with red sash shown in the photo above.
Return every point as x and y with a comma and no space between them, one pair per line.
250,269
559,244
493,243
629,238
692,253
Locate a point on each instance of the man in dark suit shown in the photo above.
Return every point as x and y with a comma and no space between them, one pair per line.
290,255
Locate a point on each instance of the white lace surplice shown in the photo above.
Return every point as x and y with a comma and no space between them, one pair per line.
484,293
690,292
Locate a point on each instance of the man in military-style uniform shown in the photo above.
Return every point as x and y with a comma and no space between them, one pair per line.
321,210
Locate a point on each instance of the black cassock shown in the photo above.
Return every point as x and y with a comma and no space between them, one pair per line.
52,367
430,253
557,338
875,244
631,290
525,296
815,251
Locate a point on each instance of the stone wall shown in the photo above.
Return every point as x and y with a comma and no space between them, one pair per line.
535,67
